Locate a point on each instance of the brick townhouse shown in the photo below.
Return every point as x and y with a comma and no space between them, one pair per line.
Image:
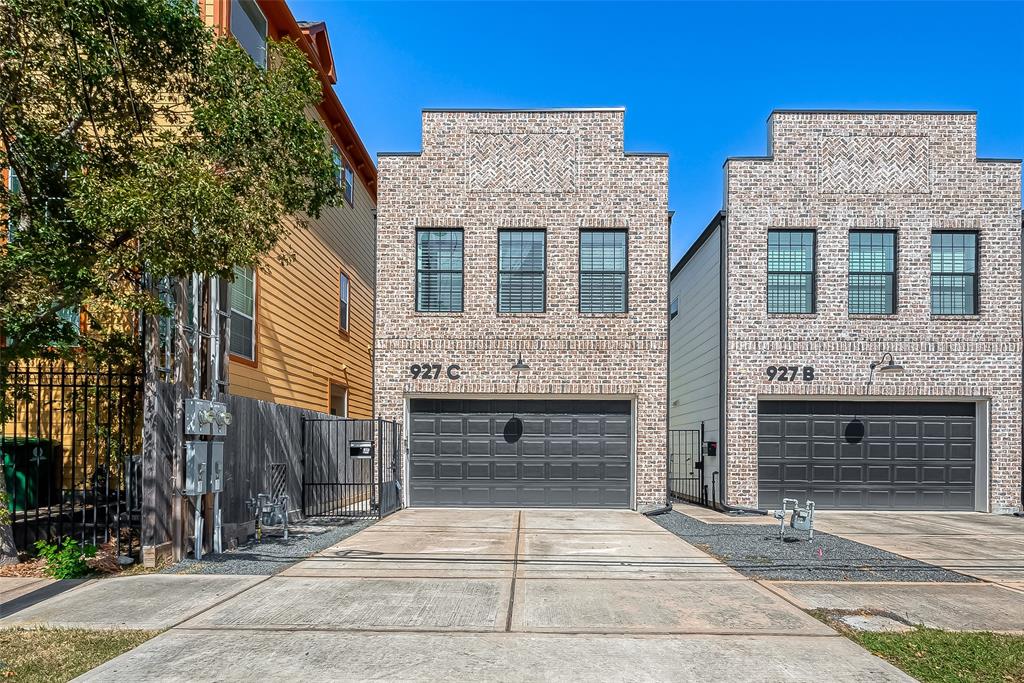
849,327
521,334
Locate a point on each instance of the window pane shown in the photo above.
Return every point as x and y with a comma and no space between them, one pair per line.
350,184
871,294
343,306
249,27
603,282
242,291
954,273
790,271
602,292
790,293
673,309
241,335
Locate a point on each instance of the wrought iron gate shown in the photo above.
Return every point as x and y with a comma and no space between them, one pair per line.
70,440
686,465
350,468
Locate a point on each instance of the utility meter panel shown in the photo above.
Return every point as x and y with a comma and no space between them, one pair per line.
206,418
197,455
215,470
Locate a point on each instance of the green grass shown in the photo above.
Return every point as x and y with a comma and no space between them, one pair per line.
935,656
61,654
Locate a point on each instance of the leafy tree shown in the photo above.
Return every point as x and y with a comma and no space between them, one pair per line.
142,144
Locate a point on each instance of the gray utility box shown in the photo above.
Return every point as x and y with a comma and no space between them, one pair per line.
206,418
197,457
215,470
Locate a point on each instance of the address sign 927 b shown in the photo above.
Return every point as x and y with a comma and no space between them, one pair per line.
790,373
433,371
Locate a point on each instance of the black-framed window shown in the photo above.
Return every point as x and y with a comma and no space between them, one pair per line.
439,270
872,283
673,309
242,296
521,271
343,293
603,271
791,271
954,273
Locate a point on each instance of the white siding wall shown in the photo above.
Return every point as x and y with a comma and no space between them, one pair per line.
695,343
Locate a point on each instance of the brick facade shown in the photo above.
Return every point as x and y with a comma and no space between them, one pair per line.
914,173
557,170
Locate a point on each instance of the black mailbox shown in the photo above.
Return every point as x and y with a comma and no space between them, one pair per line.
360,449
712,448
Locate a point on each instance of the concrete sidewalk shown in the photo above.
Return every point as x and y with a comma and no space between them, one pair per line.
503,595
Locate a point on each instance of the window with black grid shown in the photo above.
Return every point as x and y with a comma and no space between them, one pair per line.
520,271
872,272
439,271
954,273
603,277
791,271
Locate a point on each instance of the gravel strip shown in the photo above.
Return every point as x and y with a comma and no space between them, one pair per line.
755,550
275,554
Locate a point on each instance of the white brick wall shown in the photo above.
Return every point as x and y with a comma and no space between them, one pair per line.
561,171
912,173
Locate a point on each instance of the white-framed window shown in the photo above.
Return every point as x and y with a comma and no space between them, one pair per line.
249,27
343,293
243,313
350,185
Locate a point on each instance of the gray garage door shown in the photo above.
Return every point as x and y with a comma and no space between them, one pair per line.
557,453
880,455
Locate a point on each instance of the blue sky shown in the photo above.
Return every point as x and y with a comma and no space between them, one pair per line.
697,80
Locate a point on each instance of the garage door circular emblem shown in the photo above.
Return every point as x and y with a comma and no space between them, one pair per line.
854,431
513,430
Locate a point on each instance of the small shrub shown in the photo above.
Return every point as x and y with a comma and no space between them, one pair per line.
66,559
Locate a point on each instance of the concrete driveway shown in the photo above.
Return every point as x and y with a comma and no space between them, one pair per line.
504,595
987,547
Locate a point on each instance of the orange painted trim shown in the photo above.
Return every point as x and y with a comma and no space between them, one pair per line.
221,17
281,23
253,362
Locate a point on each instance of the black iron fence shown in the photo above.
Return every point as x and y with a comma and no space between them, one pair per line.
70,448
686,479
350,467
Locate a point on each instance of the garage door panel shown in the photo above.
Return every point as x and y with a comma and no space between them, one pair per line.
912,455
570,452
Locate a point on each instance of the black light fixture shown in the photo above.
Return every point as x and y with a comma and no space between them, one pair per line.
520,365
882,367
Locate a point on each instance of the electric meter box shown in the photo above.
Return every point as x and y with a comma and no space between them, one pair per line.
360,449
206,418
215,469
197,456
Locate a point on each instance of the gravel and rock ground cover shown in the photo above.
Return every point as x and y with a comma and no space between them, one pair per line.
275,554
755,550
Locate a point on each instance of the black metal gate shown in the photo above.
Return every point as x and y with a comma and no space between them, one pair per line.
686,465
350,468
69,447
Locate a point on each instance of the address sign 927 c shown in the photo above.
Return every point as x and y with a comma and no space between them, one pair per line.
790,373
433,371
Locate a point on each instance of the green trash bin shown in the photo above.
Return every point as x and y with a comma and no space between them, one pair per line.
32,470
